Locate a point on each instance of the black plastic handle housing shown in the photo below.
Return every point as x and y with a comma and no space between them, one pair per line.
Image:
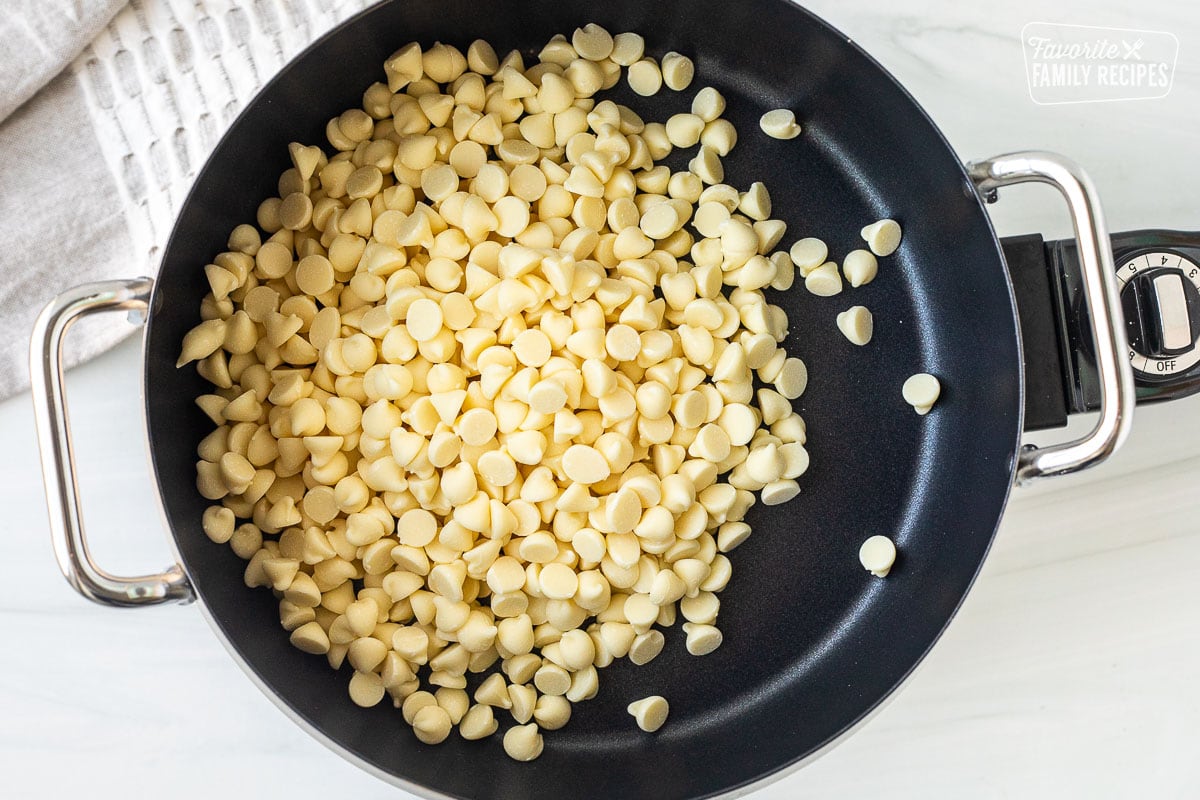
1060,367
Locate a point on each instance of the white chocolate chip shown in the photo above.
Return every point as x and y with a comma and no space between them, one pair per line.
627,48
558,581
592,42
824,281
877,555
860,267
702,639
366,688
552,712
683,130
523,742
424,319
650,712
756,202
780,124
808,254
792,378
883,237
478,723
921,391
584,464
779,492
856,324
532,348
719,136
477,426
645,78
646,647
677,71
432,724
708,104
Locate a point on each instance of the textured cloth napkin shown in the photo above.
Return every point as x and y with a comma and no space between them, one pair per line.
108,109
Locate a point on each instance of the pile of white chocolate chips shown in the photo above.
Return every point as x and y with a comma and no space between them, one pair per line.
485,392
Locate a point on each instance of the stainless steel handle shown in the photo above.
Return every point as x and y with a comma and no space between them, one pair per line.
58,458
1103,301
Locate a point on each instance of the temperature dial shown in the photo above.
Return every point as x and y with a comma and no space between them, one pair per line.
1160,295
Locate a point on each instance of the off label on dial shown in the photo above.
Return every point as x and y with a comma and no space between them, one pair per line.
1191,272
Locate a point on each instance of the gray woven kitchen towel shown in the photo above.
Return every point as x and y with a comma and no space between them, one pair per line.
107,111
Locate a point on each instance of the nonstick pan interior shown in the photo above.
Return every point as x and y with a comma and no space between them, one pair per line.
812,642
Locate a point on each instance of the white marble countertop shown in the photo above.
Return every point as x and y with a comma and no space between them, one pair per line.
1070,671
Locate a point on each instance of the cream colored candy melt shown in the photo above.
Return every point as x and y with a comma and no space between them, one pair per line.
483,381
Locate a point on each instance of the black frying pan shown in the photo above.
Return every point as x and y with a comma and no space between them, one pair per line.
812,642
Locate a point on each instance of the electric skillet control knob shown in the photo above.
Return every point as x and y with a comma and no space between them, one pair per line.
1160,296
